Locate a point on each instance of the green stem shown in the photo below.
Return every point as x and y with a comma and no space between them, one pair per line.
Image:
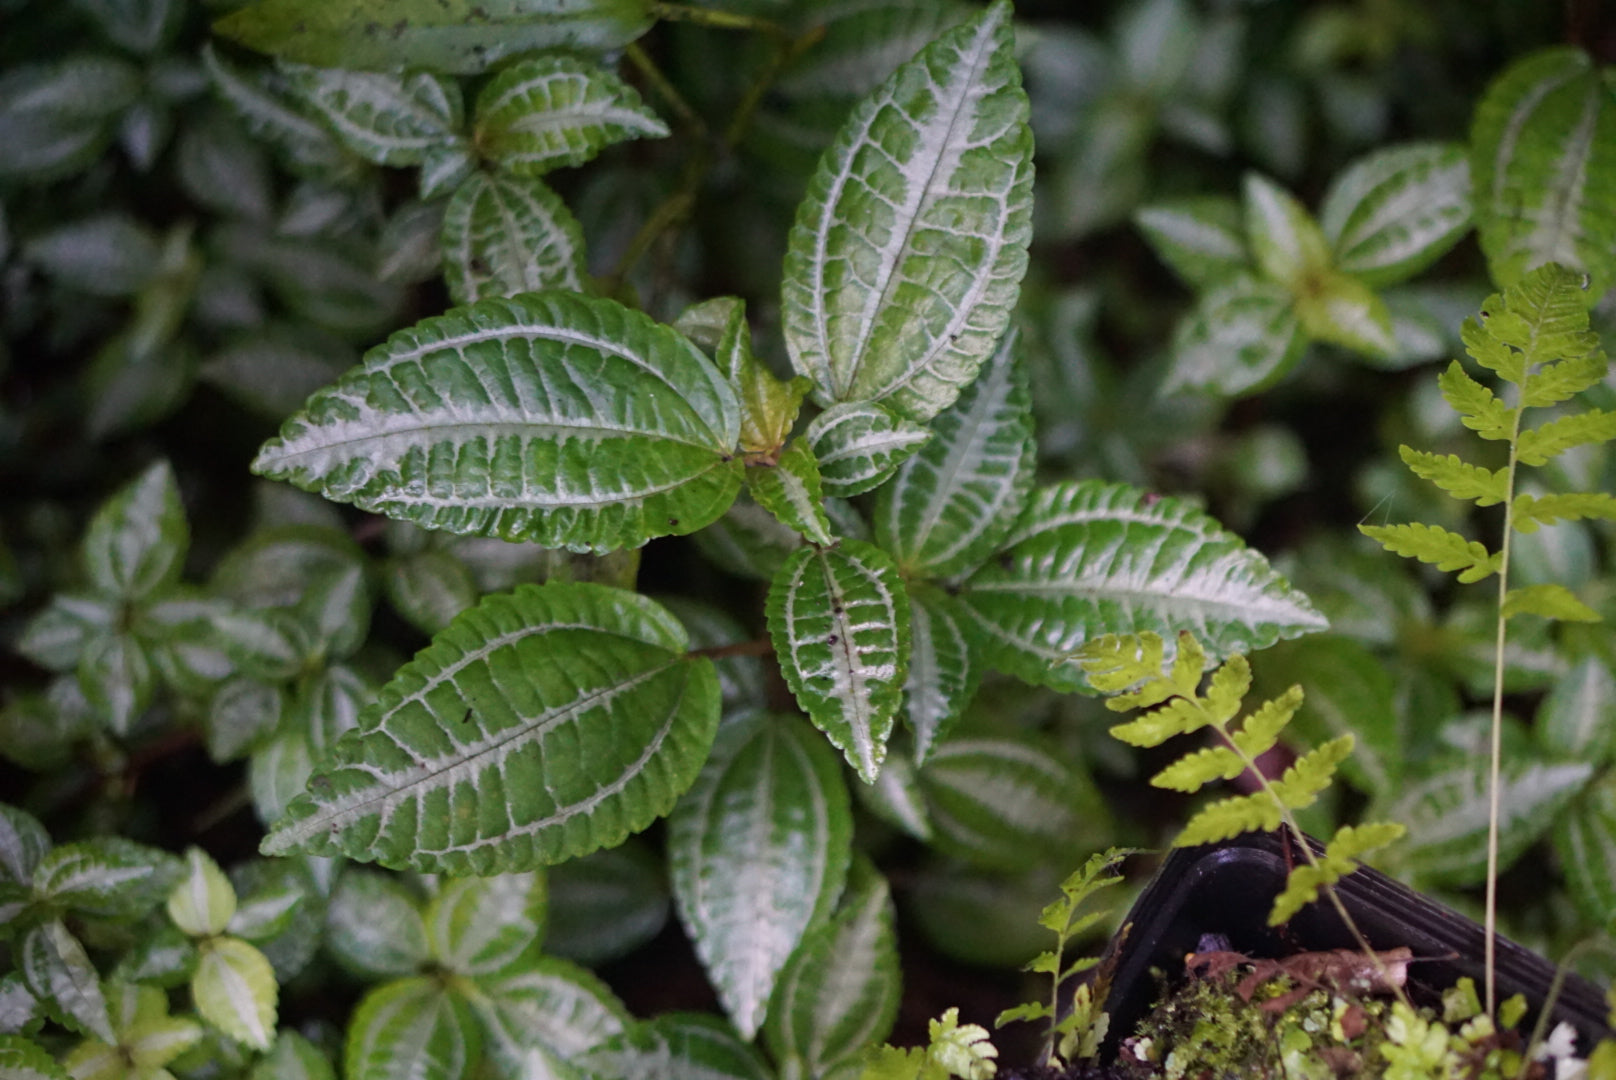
721,20
666,90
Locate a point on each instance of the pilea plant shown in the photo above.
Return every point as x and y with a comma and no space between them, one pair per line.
760,274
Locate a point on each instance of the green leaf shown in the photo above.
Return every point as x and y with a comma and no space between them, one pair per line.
107,877
1009,803
859,445
896,799
411,1029
545,1012
235,990
56,118
1090,558
1585,841
1531,511
241,714
374,926
456,37
1342,310
271,115
759,849
504,235
790,489
1446,815
136,542
942,680
482,926
839,619
1541,444
1436,545
927,191
1241,337
861,45
675,1046
19,1009
1548,601
1479,408
1393,213
540,725
58,972
479,422
293,1057
393,120
953,502
1348,691
24,1059
769,405
1575,720
606,905
429,588
1286,243
551,111
204,900
1200,237
839,992
1459,479
118,680
1536,322
110,255
1543,154
23,843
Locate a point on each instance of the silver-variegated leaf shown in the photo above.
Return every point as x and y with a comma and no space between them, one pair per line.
1577,720
310,149
1447,812
839,993
550,111
759,850
235,990
839,619
1393,213
203,901
1285,242
411,1029
941,680
136,542
606,905
1543,156
1010,803
542,724
293,1057
386,119
482,926
1241,337
374,926
860,444
24,1059
1585,840
1200,237
24,842
58,972
489,420
957,497
791,490
908,251
107,877
676,1046
896,798
1091,558
548,1012
504,235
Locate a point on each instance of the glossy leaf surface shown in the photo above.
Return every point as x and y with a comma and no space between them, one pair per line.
487,420
549,111
504,235
907,254
542,724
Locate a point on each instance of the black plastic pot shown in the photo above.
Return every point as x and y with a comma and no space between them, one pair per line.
1228,889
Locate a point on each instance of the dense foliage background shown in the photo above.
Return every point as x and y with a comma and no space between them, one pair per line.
194,238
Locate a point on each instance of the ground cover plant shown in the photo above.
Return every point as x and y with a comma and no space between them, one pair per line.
560,539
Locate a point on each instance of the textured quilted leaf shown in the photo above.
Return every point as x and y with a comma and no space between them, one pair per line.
549,111
386,119
758,851
461,37
858,445
58,971
1543,154
482,926
791,490
542,724
941,680
411,1029
907,254
136,542
504,235
1091,558
953,502
547,1011
839,618
235,990
1240,338
1200,237
491,420
676,1046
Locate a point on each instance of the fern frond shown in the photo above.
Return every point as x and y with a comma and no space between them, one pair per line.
1311,773
1228,818
1226,689
1117,664
1188,664
1479,408
963,1049
1459,478
1261,730
1178,717
1434,544
890,1063
1549,601
1195,770
1531,511
1541,319
1088,879
1541,444
1566,378
1350,843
